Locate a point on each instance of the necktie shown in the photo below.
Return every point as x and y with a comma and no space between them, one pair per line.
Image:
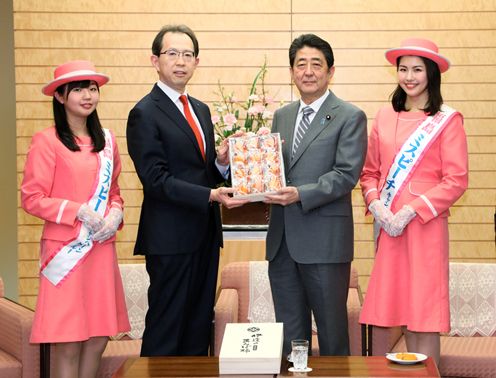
192,123
302,128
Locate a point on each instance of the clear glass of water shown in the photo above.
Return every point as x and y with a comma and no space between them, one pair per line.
299,354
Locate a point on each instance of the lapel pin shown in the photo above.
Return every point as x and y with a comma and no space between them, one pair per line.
328,117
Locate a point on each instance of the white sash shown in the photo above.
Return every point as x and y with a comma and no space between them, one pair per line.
70,255
412,152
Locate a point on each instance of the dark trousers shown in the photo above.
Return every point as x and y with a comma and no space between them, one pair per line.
181,300
299,289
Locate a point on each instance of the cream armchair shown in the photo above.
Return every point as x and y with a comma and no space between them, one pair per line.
18,358
135,281
242,280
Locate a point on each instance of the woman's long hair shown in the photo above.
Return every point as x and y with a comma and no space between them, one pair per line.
62,126
435,100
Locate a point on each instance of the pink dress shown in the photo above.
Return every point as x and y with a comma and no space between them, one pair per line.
409,282
90,301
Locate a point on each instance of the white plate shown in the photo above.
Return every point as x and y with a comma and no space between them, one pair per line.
420,357
306,370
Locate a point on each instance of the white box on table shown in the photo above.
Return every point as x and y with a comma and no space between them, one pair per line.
251,348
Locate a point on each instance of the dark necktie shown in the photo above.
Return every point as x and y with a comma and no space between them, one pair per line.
302,128
192,123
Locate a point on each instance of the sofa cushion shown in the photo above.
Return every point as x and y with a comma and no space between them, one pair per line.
135,281
472,299
260,306
9,366
468,356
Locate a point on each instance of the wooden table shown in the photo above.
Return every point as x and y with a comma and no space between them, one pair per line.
358,366
354,366
169,367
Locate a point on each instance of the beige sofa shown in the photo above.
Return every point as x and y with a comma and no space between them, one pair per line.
242,280
469,350
18,358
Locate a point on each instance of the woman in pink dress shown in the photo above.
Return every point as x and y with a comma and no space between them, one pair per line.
70,181
416,168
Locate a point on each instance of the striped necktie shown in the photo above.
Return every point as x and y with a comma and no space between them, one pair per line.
302,128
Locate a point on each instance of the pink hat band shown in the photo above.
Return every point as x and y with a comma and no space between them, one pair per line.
418,47
76,70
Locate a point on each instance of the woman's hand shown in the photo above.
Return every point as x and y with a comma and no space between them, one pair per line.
400,221
110,225
91,219
382,215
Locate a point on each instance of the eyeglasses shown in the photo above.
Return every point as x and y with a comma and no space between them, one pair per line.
174,54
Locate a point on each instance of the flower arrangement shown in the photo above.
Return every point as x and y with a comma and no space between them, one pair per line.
228,112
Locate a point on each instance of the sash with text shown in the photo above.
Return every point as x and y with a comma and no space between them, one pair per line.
63,262
412,152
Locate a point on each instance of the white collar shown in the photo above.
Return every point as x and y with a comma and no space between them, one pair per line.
171,93
316,104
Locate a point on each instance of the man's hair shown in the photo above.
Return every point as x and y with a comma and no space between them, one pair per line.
435,100
157,42
311,40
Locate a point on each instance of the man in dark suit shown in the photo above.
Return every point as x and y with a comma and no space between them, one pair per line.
171,142
310,236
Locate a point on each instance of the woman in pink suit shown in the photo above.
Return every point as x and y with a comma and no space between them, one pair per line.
416,168
70,181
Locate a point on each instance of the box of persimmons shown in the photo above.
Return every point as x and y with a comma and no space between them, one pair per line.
257,166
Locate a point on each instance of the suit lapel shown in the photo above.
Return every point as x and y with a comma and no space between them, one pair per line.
165,104
323,119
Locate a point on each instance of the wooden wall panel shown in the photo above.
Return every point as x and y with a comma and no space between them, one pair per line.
235,37
153,6
397,9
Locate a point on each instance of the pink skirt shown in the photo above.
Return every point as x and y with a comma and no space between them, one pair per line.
409,285
88,303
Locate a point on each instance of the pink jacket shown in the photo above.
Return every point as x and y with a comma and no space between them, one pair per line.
54,187
438,181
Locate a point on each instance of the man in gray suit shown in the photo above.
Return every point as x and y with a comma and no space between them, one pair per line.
310,237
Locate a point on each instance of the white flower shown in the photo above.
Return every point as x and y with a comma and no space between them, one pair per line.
267,114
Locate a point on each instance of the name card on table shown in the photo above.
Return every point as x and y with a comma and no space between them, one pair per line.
251,348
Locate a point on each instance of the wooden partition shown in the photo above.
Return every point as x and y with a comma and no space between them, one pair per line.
235,38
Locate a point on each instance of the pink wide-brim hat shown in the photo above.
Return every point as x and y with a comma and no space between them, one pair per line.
418,47
75,70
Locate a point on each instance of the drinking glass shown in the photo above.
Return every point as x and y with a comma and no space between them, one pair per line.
299,354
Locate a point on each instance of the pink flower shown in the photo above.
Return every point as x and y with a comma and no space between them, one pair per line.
215,119
263,131
229,119
256,109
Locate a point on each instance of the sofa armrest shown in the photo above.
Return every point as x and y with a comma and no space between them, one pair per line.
15,330
226,311
354,327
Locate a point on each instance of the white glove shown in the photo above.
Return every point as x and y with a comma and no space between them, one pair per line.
382,215
400,221
110,225
90,218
